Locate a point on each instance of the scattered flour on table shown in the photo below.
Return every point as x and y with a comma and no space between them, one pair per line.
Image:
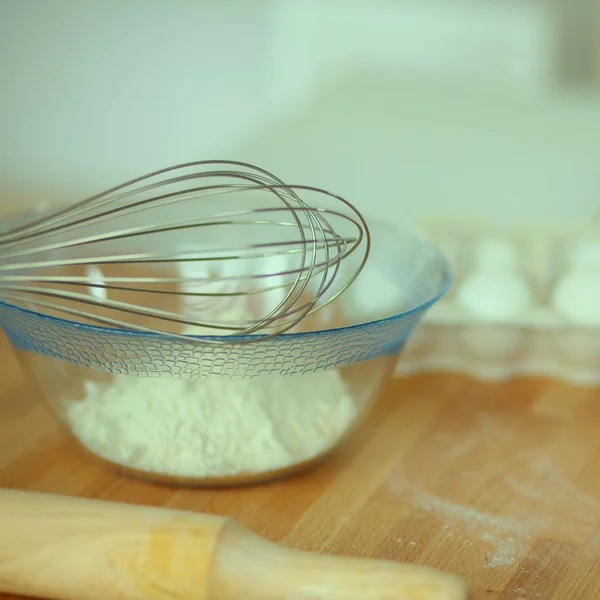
508,538
543,496
214,427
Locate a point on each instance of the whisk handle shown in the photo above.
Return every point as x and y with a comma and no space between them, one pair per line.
66,548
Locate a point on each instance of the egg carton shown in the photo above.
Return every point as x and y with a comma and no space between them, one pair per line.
524,302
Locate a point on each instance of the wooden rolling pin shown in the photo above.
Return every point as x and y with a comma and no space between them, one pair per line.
76,549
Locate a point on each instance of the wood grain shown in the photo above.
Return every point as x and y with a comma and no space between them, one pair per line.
497,483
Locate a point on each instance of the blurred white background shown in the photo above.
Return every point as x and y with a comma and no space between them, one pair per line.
407,108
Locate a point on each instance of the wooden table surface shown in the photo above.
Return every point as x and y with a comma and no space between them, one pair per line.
499,483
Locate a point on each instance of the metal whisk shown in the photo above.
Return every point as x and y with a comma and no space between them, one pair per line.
176,250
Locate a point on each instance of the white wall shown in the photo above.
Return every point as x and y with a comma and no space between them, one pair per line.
508,44
95,92
424,107
405,153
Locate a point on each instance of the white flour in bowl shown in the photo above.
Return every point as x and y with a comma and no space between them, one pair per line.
215,427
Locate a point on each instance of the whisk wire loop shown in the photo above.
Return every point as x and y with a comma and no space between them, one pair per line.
181,240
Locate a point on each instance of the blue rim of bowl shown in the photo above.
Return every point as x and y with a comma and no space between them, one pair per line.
447,282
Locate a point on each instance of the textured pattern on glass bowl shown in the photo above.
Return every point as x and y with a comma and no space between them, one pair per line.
148,355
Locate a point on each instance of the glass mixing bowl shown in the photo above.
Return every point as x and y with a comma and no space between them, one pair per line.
172,411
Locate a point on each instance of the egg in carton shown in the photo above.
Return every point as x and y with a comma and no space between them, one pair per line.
524,301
